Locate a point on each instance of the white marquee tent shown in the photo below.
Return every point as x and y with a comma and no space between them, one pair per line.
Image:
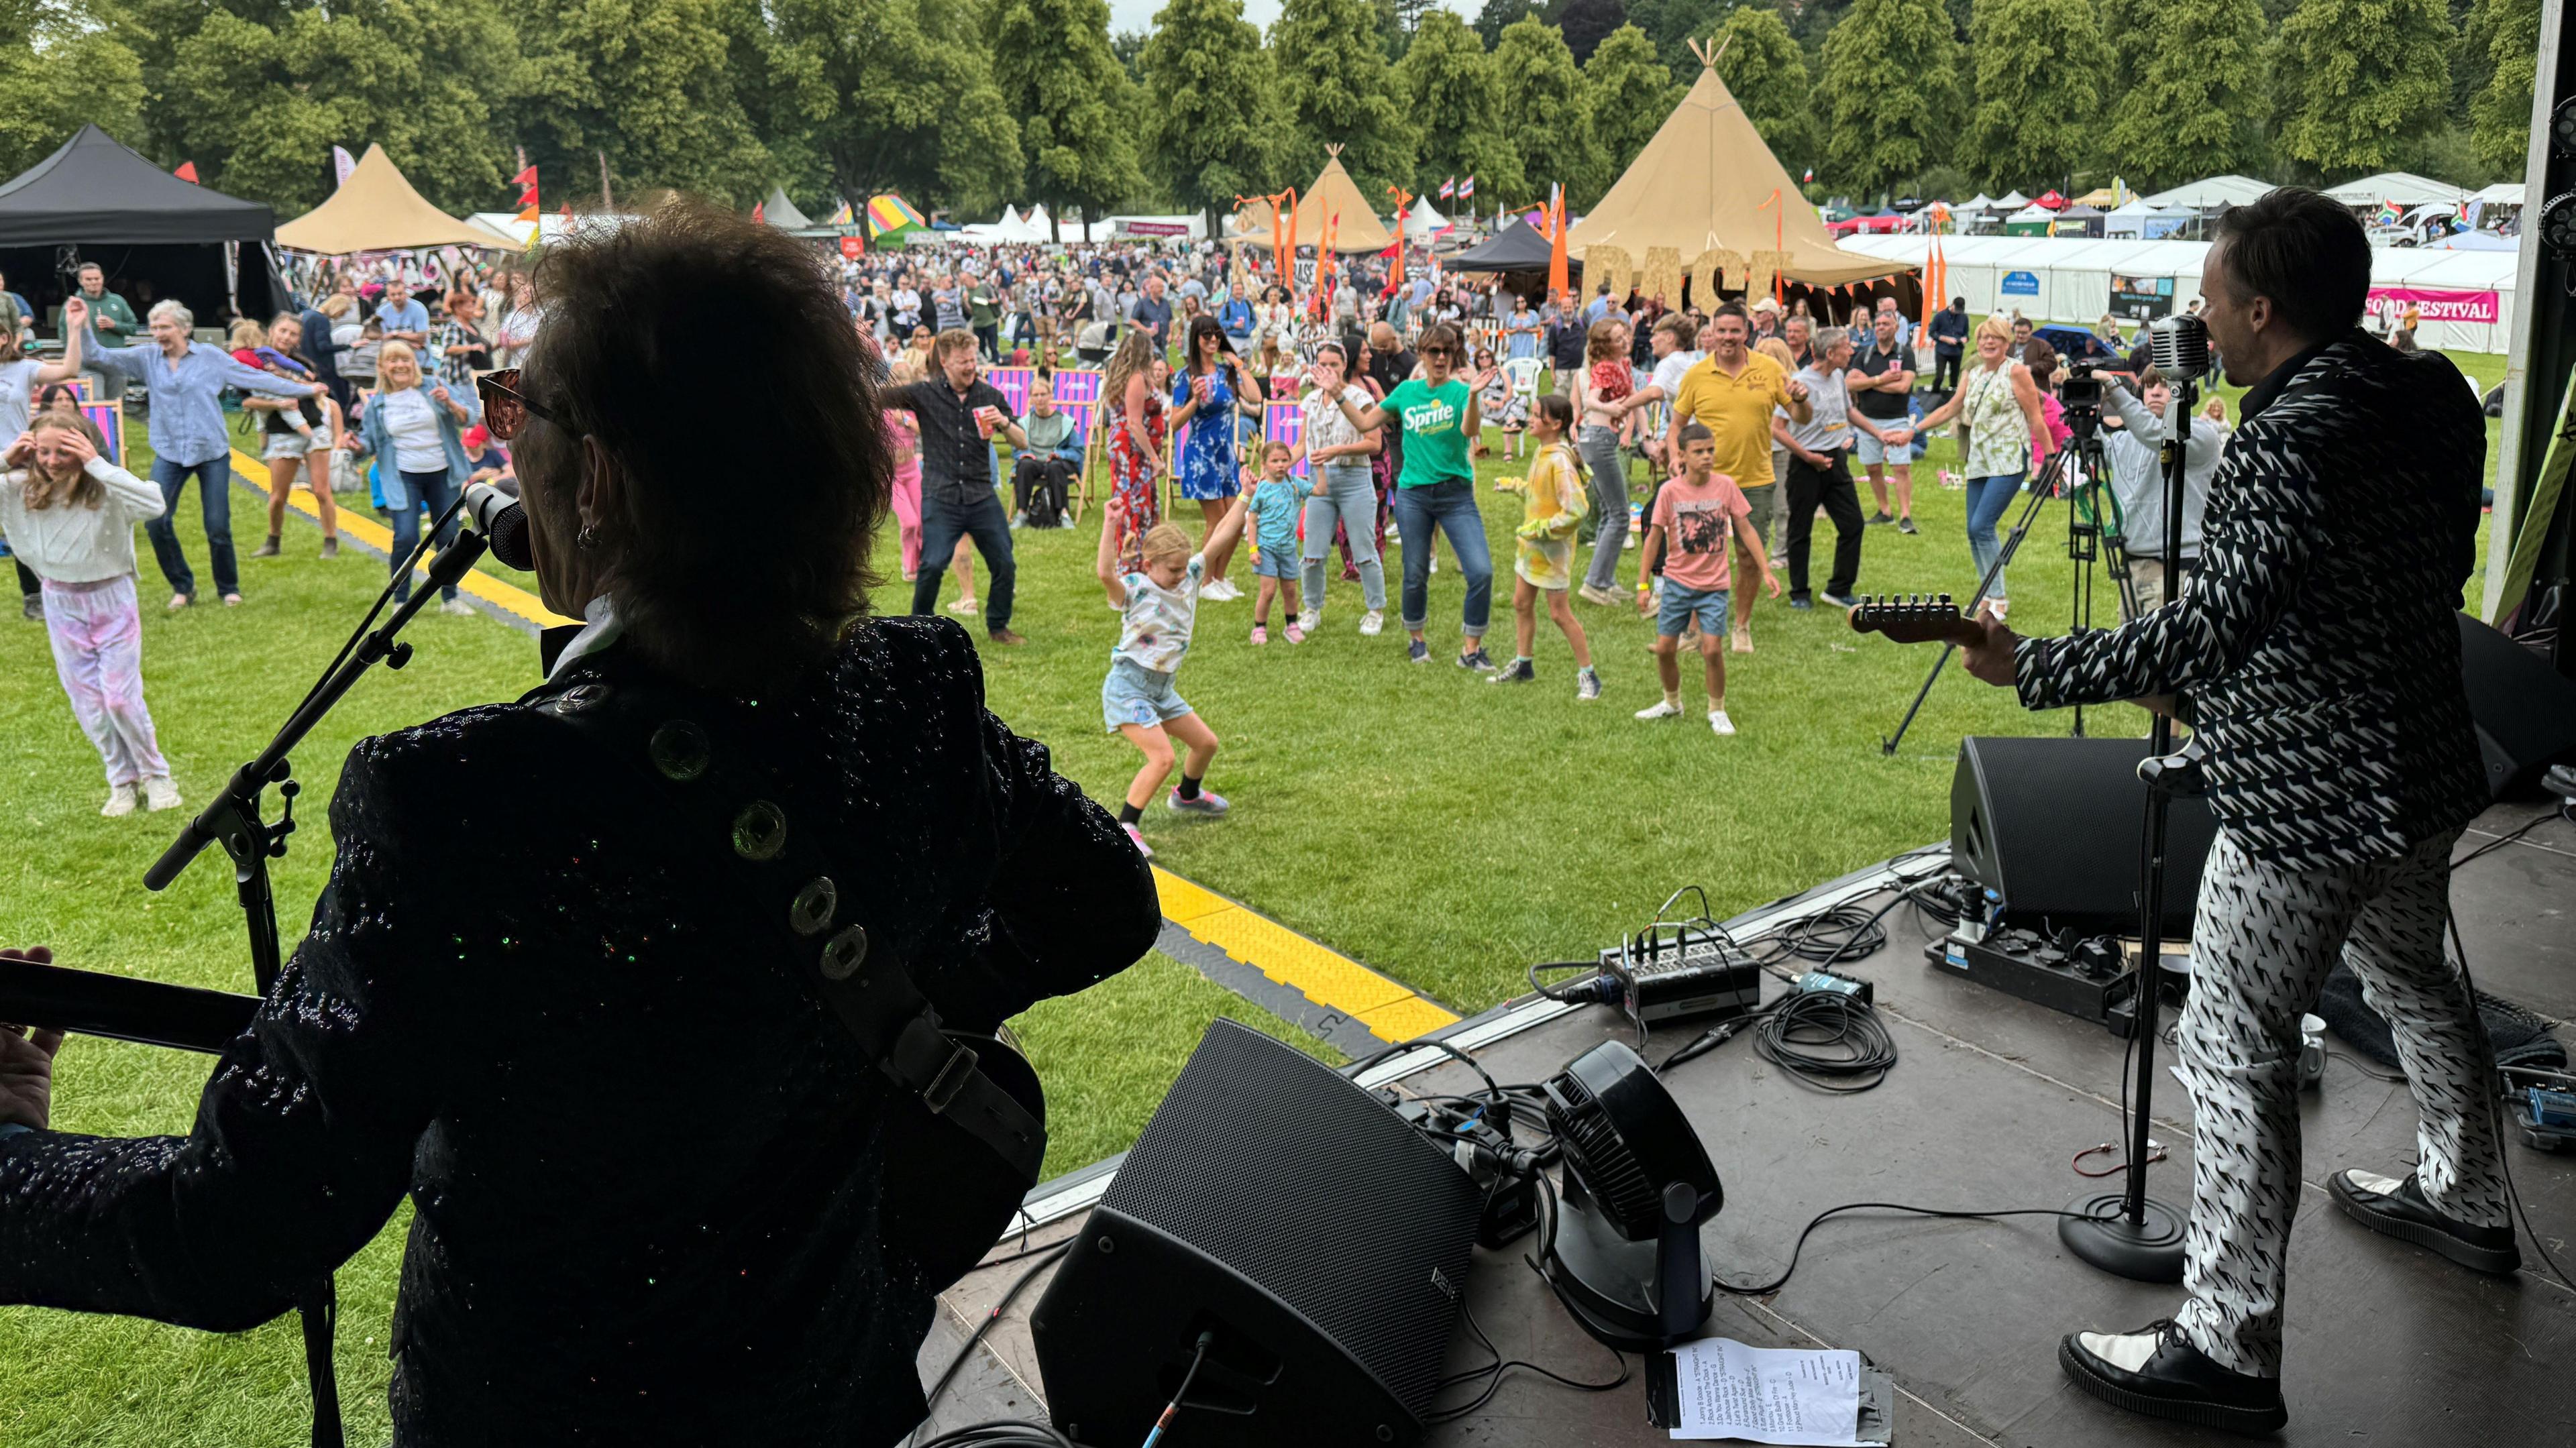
2212,192
2068,279
1422,219
2137,218
2403,187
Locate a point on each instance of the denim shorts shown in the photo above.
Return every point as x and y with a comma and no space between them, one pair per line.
291,445
1680,604
1873,451
1134,694
1279,562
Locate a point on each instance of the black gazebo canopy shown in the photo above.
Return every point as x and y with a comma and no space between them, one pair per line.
94,190
1514,248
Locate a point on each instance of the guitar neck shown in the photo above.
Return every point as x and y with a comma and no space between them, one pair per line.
182,1018
1917,620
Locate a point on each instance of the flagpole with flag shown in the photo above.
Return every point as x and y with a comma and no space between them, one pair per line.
1559,280
1779,240
1395,274
526,181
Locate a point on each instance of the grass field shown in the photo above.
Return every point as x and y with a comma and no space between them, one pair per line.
1446,831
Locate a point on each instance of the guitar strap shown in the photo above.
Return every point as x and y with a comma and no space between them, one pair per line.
717,795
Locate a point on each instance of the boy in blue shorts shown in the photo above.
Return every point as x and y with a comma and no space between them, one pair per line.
1159,604
1694,515
1275,505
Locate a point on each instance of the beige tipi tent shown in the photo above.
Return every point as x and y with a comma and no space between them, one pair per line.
1334,194
1695,197
376,210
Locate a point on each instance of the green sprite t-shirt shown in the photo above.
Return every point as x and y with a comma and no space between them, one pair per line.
1434,422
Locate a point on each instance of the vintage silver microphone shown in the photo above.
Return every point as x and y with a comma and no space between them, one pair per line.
2179,347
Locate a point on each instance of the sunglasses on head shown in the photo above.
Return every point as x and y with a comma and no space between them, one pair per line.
505,407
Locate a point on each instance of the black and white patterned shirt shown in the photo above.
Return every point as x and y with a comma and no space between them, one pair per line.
2316,649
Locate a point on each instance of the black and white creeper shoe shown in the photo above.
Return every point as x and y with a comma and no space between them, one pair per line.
2157,1373
2398,1209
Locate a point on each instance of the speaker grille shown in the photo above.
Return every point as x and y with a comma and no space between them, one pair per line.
1281,1169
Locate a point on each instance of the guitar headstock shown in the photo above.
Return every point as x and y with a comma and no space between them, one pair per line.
1915,619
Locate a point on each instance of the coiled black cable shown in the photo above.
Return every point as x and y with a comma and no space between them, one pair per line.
1831,1041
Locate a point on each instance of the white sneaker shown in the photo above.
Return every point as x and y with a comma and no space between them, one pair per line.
161,793
458,607
1661,709
121,800
1719,724
1307,621
1372,622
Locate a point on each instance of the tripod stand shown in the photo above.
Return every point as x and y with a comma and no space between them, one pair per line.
2144,1240
2084,467
234,821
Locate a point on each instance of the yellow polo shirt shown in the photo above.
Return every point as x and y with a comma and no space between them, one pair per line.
1737,412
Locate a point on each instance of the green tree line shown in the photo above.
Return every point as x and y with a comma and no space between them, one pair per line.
965,104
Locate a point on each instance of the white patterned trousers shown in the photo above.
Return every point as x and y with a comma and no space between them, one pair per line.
2263,941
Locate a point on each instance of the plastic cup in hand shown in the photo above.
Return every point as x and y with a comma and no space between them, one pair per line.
984,423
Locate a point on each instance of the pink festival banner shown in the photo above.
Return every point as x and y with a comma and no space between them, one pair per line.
2442,306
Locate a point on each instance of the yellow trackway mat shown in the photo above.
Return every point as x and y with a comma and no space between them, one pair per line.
1333,983
1389,1010
363,526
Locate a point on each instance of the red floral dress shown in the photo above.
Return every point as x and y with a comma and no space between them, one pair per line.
1131,473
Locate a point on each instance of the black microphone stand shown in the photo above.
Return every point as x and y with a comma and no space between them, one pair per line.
2128,1233
234,821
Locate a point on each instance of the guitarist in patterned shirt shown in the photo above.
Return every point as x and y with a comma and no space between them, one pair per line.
2315,653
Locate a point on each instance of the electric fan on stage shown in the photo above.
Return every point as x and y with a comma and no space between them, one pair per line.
1622,1246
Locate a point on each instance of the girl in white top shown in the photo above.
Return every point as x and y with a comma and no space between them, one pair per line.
1336,455
70,515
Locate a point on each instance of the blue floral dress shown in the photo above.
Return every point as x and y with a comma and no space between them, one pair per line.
1206,469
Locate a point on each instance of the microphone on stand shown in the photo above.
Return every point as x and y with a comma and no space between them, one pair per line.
503,524
2179,347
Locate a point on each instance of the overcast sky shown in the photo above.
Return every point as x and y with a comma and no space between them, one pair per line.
1126,15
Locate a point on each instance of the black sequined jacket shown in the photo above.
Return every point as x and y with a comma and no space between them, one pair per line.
646,1167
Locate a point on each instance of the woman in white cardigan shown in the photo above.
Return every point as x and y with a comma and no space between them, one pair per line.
70,515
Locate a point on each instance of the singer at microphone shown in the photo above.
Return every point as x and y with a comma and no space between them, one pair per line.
2316,655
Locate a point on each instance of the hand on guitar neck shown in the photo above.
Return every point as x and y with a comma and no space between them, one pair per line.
1923,618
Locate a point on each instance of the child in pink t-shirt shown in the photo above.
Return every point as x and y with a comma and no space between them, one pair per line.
1695,514
904,436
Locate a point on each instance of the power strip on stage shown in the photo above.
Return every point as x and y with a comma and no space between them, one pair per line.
2090,982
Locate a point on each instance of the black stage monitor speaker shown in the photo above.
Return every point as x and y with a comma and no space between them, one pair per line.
1273,1203
2054,826
2526,710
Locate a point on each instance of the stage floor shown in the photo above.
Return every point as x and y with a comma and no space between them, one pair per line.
1989,1101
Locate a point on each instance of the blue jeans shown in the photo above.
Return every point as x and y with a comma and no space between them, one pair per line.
1599,449
1451,507
215,496
943,522
434,491
1987,499
1350,499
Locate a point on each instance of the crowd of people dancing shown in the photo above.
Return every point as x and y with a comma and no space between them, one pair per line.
1676,460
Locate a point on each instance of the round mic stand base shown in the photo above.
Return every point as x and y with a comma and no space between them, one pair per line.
2145,1251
